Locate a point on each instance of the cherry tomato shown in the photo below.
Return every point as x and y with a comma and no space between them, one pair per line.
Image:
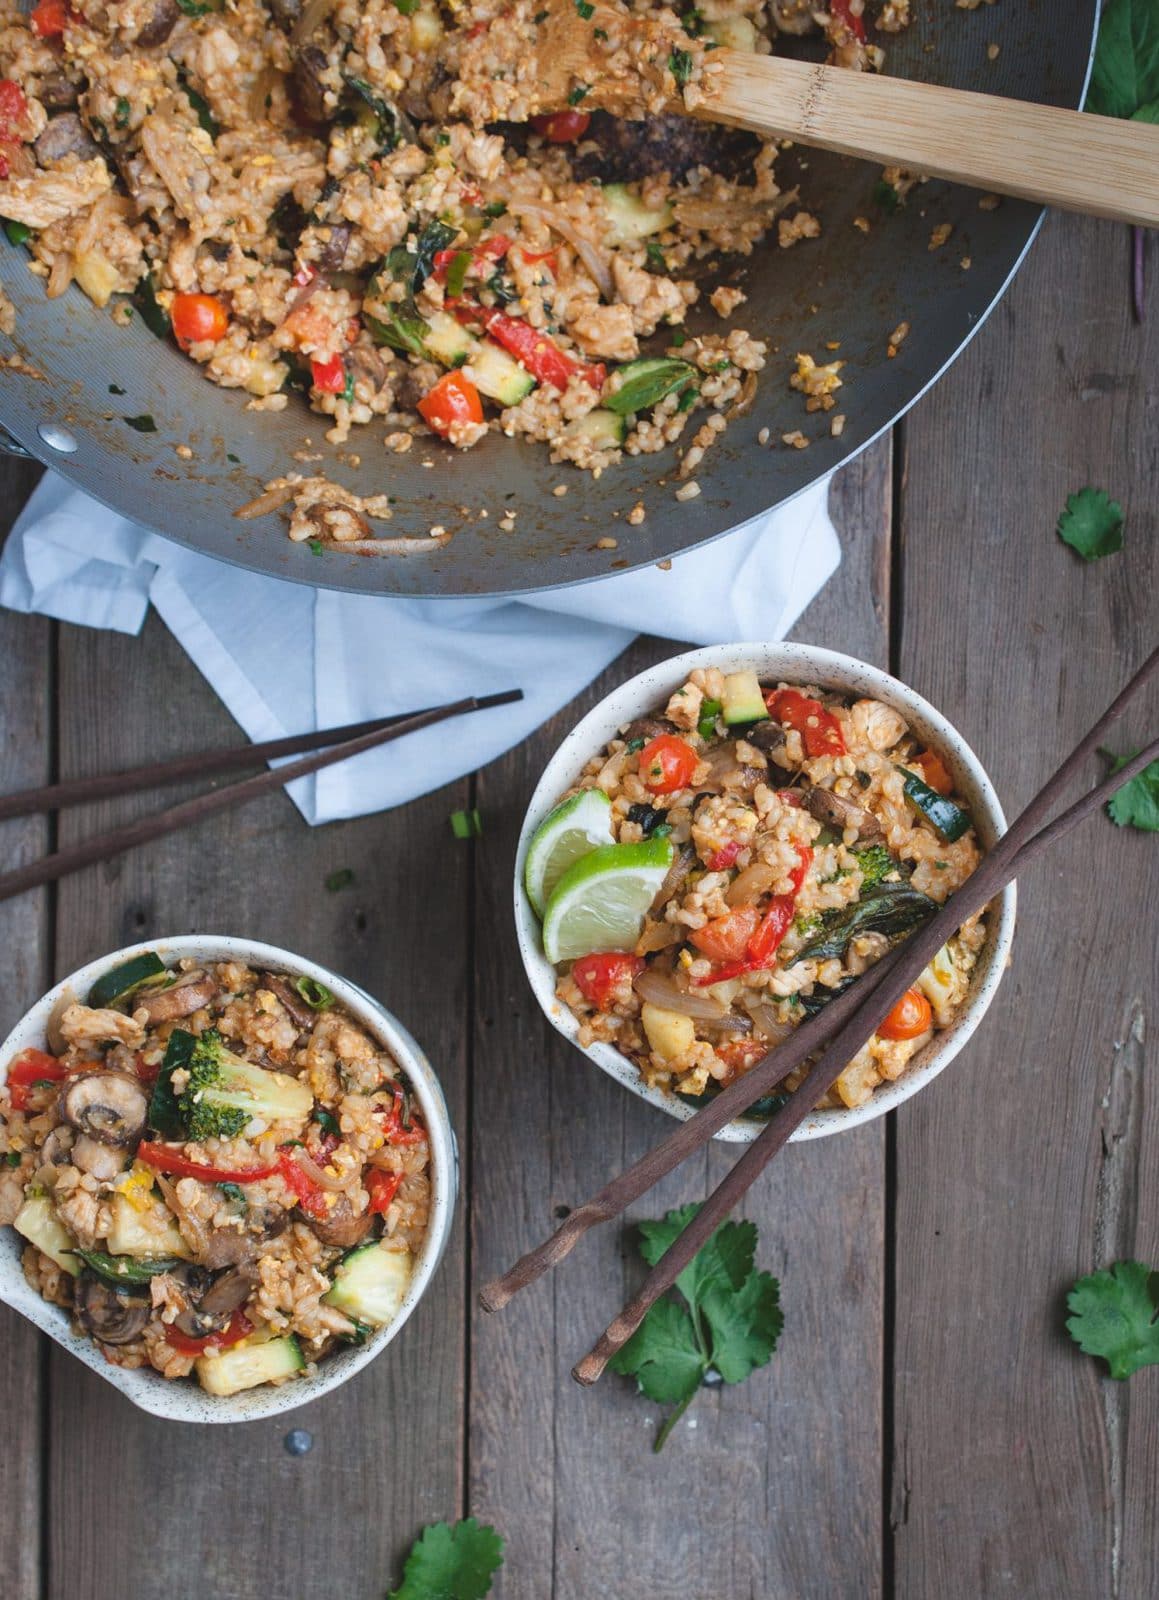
382,1188
562,127
667,764
909,1018
239,1326
842,11
50,18
727,938
453,400
32,1069
819,729
601,974
933,770
329,376
197,317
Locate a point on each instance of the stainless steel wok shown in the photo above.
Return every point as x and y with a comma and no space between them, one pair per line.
844,287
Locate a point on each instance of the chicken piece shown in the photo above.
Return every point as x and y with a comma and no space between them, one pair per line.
49,197
876,725
86,1028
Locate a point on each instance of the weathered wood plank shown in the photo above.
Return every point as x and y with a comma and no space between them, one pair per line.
1018,1468
729,1509
26,742
229,1512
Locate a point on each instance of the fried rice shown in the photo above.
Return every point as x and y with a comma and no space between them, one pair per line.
809,832
218,1172
340,197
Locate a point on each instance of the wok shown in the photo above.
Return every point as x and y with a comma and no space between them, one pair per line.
845,287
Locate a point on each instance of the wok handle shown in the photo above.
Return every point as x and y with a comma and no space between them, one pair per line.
1101,166
10,446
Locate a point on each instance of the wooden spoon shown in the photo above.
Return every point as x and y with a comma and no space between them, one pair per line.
1097,165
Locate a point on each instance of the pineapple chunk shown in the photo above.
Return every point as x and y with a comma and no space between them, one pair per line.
670,1034
151,1235
96,275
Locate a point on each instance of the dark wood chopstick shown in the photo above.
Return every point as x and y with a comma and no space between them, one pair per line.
103,786
1014,852
102,846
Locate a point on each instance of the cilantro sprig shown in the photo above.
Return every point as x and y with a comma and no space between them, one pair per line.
726,1322
1092,523
451,1562
1136,805
1116,1316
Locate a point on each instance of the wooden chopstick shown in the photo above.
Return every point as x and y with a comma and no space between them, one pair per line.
103,786
100,848
1017,848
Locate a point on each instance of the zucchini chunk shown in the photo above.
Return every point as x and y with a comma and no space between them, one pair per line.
742,699
247,1365
369,1284
604,429
121,981
947,820
38,1222
629,219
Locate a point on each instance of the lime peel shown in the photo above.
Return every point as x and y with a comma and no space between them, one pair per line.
600,902
576,826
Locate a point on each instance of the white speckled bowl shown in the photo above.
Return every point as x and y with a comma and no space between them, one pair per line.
793,663
183,1400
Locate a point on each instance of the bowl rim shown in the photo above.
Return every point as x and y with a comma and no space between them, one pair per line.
186,1401
793,662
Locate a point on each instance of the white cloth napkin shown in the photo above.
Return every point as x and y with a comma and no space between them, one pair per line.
285,658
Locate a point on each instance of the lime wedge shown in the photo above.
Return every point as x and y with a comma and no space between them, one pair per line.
577,825
599,903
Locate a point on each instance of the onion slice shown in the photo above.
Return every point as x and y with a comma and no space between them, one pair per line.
317,1174
592,257
662,990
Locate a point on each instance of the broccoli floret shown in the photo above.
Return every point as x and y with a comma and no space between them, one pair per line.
224,1093
875,862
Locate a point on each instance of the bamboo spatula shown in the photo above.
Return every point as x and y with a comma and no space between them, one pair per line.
1097,165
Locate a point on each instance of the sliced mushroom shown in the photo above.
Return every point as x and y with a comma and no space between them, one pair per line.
195,990
235,1247
104,1162
647,728
836,812
65,135
297,1008
308,91
769,738
342,1227
210,1310
285,12
108,1314
58,92
110,1107
56,1151
159,25
334,254
793,16
727,771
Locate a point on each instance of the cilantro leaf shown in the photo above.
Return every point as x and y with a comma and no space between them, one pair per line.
727,1321
745,1325
1125,78
663,1355
1116,1316
451,1562
1137,803
1092,524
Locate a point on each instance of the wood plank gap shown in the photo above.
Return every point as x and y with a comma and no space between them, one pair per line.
466,1163
52,826
895,587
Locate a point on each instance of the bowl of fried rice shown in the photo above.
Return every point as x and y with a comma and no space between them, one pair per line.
728,841
227,1175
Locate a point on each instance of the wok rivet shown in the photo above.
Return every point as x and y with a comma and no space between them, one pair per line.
57,438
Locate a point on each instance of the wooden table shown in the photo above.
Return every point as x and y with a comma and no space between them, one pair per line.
926,1428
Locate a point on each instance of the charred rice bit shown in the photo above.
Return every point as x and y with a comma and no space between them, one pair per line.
752,819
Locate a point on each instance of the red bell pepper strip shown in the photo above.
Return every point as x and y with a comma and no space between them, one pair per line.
31,1070
542,357
309,1196
819,729
771,930
840,10
329,376
492,249
720,860
50,18
239,1326
166,1158
394,1128
382,1188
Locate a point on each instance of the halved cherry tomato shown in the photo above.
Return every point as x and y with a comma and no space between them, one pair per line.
197,317
766,935
562,127
239,1326
933,770
667,764
727,938
166,1158
819,729
50,18
720,860
601,974
775,924
30,1070
329,376
382,1188
909,1018
13,107
454,401
842,11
